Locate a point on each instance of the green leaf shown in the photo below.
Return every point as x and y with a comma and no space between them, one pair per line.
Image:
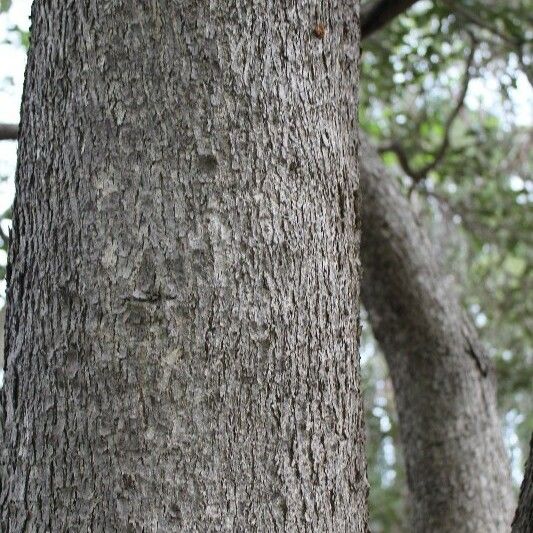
5,5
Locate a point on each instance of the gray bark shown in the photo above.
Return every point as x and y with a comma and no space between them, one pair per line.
181,326
457,468
2,322
523,519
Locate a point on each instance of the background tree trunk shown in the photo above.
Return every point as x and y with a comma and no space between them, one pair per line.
457,468
523,519
181,329
2,324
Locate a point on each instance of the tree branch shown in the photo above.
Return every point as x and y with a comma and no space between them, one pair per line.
3,236
417,175
417,317
439,154
8,132
467,14
509,42
524,513
396,148
381,13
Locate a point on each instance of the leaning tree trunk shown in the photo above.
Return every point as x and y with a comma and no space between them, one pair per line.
457,468
523,519
181,331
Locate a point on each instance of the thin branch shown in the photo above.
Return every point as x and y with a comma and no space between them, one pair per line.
512,43
396,148
467,14
441,151
417,175
468,219
9,132
3,236
381,13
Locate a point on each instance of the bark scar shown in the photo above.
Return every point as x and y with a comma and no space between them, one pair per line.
477,352
319,31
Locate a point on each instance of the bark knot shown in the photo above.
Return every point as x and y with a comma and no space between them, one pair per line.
319,31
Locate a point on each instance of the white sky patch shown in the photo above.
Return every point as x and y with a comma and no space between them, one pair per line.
484,93
12,65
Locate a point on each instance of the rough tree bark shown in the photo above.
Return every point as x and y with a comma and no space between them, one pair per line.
523,519
2,323
181,331
457,467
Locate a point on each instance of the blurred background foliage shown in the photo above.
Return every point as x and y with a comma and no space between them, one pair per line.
446,95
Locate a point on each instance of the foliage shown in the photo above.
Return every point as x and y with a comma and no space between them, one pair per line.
15,34
5,5
475,198
386,473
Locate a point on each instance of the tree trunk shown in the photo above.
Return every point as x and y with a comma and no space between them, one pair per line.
181,329
457,468
523,519
2,323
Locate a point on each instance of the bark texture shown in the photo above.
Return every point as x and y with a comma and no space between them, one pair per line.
457,468
523,519
181,327
2,323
